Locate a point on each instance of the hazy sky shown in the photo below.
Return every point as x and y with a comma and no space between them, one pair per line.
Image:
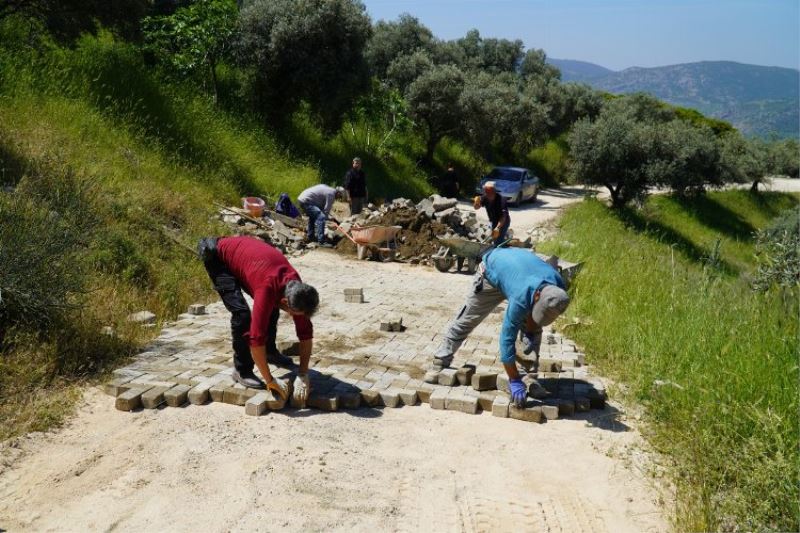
621,33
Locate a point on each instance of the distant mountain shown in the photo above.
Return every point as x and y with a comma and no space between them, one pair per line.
757,100
580,71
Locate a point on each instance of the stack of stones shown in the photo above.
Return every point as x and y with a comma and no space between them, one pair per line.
354,296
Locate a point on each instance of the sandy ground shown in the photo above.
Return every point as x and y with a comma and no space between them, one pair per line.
211,468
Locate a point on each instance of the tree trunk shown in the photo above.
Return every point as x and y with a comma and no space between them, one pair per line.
754,186
430,147
212,65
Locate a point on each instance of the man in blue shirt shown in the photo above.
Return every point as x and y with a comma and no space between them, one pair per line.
536,297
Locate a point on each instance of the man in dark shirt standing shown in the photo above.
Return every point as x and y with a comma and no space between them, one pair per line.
497,209
237,264
450,185
355,182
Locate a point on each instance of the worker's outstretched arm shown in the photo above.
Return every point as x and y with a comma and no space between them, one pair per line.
302,385
259,354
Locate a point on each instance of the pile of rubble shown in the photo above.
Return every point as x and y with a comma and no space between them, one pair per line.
284,233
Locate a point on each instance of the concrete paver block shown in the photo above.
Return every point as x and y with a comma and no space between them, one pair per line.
448,378
154,397
500,407
431,376
217,391
549,365
350,400
464,374
527,413
257,405
469,405
486,399
390,397
438,398
323,402
424,392
550,412
483,381
130,399
197,309
198,395
117,386
371,398
502,382
408,397
177,395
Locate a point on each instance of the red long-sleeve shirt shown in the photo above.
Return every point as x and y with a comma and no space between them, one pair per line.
263,273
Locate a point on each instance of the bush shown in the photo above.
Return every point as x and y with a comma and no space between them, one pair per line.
778,251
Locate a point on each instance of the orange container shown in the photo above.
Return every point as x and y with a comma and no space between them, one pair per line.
254,206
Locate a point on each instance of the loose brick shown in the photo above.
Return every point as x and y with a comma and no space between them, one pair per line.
217,392
130,399
424,392
454,400
408,397
549,365
324,402
483,381
469,405
257,405
390,397
154,397
447,377
371,398
238,395
438,398
177,395
431,376
350,400
502,382
565,407
550,412
197,309
198,395
500,407
486,399
464,374
528,414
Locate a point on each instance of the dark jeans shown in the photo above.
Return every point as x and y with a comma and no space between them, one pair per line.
500,238
357,204
316,222
230,290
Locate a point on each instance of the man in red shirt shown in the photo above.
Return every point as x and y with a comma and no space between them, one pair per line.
237,264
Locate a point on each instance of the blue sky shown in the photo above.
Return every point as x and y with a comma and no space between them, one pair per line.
621,33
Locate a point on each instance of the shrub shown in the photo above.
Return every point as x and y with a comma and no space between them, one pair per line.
778,251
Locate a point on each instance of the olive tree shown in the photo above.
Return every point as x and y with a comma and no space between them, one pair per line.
433,102
305,51
391,40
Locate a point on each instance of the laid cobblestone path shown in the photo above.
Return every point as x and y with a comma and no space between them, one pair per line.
355,362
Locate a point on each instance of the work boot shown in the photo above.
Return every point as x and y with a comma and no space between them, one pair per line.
249,380
278,359
440,363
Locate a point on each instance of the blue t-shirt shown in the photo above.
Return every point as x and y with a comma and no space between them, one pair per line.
517,273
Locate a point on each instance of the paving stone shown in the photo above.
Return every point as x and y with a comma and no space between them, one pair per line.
484,381
197,309
550,412
350,400
549,365
465,373
424,391
130,399
502,382
565,407
454,400
486,399
275,402
447,377
217,392
371,398
154,397
177,395
431,376
257,405
117,386
238,395
408,397
198,395
469,405
323,402
500,407
535,389
438,398
528,414
390,397
582,404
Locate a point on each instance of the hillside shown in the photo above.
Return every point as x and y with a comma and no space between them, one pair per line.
579,71
757,100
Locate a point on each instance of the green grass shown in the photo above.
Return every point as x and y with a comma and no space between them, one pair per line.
661,304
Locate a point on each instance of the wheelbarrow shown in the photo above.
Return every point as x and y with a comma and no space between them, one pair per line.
457,250
378,241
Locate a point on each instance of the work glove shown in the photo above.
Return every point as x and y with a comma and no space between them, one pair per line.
476,202
519,392
495,233
531,342
302,388
279,387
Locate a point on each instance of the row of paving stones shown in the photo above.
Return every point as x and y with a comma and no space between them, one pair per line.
374,339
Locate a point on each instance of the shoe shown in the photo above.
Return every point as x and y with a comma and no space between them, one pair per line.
326,244
249,380
278,359
442,362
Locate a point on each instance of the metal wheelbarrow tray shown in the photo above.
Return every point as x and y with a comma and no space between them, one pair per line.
456,250
370,239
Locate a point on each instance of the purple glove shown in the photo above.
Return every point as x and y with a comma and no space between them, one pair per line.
519,391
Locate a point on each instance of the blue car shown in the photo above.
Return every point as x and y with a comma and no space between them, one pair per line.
515,184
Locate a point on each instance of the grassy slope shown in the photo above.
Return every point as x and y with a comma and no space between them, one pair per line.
664,305
160,155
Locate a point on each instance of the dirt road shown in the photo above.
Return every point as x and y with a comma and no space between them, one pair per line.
213,468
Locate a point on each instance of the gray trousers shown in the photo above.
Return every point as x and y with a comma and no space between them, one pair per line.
482,298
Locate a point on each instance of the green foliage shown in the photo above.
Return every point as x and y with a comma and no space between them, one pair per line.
308,51
195,37
550,161
719,127
433,101
778,249
391,41
654,314
489,55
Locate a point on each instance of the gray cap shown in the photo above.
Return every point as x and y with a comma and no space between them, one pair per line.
552,302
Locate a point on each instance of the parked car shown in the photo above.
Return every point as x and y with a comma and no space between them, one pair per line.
515,184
